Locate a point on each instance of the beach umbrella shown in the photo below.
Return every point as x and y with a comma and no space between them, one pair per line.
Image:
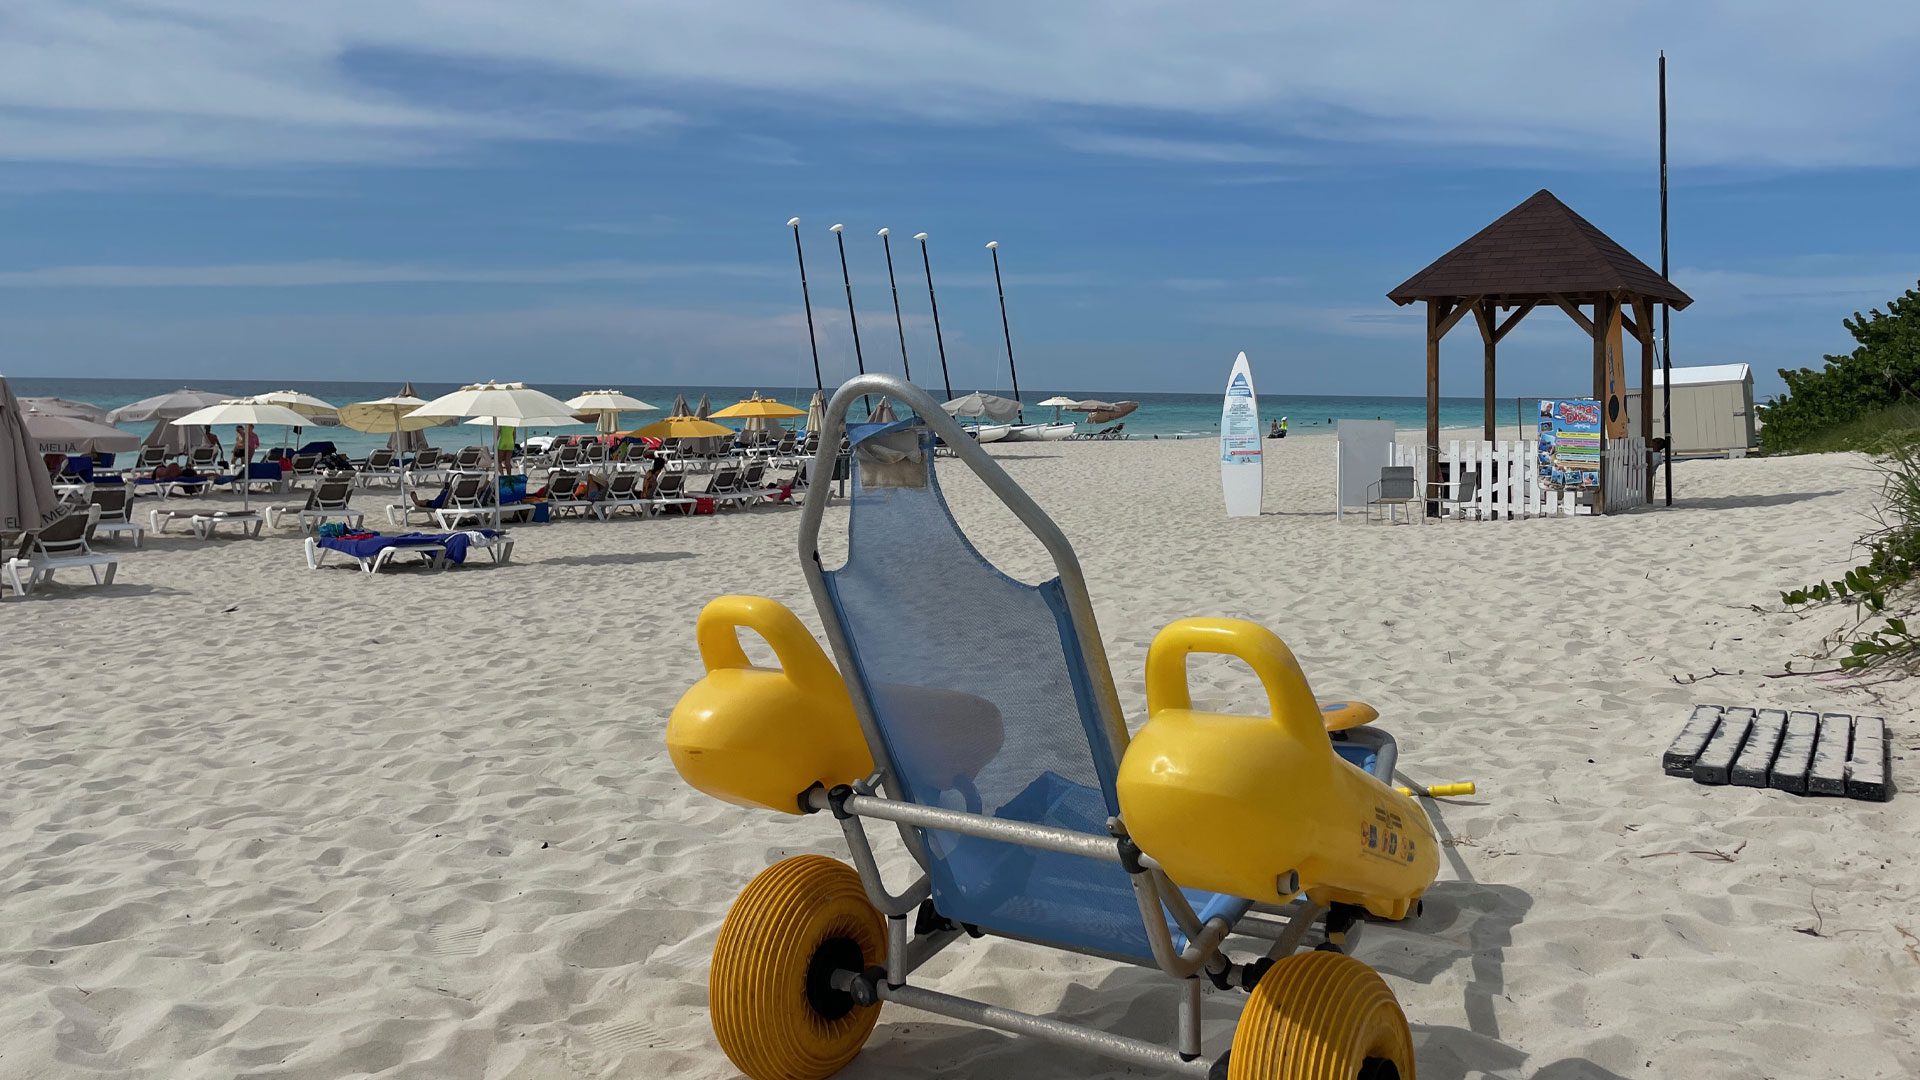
605,406
1058,402
169,406
884,414
53,406
980,403
706,407
246,413
75,436
393,415
756,407
501,404
1111,412
318,411
816,413
177,440
680,427
27,501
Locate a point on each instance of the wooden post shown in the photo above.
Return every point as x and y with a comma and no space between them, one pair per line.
1483,313
1433,400
1643,314
1602,320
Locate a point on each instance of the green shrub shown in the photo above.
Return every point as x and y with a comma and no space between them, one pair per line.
1883,370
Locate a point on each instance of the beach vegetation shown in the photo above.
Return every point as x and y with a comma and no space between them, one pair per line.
1882,587
1867,399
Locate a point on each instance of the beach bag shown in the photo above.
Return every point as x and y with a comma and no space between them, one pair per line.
704,505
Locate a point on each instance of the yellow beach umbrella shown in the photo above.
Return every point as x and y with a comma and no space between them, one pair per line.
759,408
680,427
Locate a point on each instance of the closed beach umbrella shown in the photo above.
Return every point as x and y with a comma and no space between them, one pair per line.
27,501
246,413
884,414
706,407
512,404
816,413
605,406
75,437
53,406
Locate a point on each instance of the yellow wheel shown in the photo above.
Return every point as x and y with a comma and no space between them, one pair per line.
1321,1016
773,1009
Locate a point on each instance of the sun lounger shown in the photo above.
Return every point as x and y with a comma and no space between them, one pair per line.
471,497
438,550
380,466
623,493
328,500
561,485
1206,846
59,546
116,514
204,459
207,523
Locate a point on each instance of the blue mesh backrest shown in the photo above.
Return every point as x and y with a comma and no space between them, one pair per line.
982,700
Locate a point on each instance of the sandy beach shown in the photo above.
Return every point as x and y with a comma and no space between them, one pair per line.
270,822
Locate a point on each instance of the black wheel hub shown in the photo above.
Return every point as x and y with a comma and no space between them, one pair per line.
836,954
1378,1069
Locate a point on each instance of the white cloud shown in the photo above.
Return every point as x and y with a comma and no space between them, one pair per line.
239,81
1213,152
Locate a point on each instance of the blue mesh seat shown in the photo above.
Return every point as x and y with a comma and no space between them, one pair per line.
983,704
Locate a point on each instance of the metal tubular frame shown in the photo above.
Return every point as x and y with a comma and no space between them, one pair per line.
1285,924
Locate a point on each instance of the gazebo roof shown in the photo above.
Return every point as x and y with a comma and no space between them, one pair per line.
1537,251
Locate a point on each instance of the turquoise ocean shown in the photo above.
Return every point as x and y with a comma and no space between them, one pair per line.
1159,415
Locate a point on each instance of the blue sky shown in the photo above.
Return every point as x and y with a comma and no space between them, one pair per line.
596,190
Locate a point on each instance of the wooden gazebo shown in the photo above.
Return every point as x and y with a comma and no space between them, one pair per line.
1539,253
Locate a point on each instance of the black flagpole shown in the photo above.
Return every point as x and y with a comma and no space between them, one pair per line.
1666,310
994,247
859,361
927,264
897,324
818,385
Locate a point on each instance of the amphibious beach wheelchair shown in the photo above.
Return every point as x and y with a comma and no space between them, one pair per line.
977,714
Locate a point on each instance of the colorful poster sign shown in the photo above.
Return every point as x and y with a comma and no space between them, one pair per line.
1570,443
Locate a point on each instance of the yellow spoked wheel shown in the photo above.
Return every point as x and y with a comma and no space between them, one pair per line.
1321,1016
773,1009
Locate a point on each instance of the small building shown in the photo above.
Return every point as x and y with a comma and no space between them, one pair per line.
1712,410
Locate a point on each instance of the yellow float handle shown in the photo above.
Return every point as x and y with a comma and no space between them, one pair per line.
718,634
1439,791
1289,699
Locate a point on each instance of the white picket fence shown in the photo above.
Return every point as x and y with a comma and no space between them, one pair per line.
1507,480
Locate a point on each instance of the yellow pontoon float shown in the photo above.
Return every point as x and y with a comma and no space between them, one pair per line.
977,714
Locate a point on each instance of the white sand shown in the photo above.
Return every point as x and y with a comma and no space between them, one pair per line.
263,821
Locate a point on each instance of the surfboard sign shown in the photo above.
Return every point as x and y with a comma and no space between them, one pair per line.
1240,475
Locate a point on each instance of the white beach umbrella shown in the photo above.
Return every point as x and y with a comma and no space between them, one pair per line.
513,404
390,415
246,413
75,436
1060,402
314,409
606,407
27,501
979,403
168,406
54,406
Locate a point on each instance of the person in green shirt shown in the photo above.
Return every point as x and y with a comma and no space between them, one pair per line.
505,446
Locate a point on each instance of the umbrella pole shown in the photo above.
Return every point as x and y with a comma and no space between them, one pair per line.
246,473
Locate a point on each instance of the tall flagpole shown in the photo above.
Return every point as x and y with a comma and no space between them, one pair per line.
812,342
1006,330
897,324
927,264
1666,310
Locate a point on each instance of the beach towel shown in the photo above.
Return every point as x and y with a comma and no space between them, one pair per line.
367,545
